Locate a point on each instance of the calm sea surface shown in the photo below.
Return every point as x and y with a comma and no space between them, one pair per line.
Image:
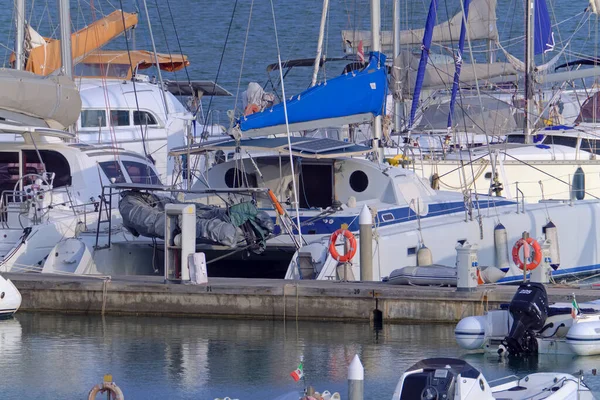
62,356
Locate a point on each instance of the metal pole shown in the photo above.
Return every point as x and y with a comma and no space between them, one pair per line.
529,70
376,46
396,24
20,37
320,42
162,87
365,223
65,38
356,379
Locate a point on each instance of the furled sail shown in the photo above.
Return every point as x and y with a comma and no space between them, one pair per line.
458,64
349,98
440,75
543,38
481,23
52,99
427,37
44,55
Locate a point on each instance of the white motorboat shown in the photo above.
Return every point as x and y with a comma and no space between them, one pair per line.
448,378
10,298
529,325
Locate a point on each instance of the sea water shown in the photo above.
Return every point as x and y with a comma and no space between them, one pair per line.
44,356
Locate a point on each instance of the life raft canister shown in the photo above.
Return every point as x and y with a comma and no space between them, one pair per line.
333,251
537,257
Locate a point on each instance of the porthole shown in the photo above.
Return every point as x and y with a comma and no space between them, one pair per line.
488,175
387,217
2,295
359,181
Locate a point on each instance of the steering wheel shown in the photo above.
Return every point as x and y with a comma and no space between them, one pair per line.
36,176
429,393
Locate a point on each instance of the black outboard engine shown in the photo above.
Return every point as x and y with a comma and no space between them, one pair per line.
529,309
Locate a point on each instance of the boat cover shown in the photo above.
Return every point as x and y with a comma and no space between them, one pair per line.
346,96
54,99
144,214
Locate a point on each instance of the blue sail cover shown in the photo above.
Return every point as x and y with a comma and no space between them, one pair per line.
429,25
346,95
458,62
543,38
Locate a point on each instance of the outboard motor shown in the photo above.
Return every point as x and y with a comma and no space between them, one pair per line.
529,309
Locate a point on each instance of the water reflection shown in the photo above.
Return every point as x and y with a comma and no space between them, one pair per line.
65,355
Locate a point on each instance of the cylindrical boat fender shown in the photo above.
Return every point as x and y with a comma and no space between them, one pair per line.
579,184
584,338
551,233
424,256
470,332
501,248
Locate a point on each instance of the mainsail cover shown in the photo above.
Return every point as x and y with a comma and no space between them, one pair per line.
481,23
53,99
344,99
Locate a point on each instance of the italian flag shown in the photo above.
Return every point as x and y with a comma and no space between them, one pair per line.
574,308
298,373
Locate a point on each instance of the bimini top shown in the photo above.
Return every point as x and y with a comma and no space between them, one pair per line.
196,88
301,146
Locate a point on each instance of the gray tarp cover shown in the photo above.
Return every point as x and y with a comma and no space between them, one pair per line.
55,99
143,214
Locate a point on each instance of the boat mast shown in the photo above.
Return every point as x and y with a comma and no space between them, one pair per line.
376,46
64,9
320,43
396,26
529,70
20,36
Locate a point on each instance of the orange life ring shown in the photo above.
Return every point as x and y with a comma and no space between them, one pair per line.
333,251
537,258
251,109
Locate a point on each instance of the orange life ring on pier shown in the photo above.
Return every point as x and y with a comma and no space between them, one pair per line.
537,258
333,251
251,109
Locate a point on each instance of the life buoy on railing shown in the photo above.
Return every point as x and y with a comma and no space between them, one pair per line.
333,251
537,257
114,391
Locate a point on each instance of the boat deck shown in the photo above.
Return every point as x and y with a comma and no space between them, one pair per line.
268,298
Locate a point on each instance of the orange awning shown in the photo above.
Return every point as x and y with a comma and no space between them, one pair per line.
141,59
45,59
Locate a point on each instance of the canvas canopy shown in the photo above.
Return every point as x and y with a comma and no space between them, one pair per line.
140,59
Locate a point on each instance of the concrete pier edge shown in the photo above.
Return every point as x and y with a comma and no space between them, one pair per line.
267,299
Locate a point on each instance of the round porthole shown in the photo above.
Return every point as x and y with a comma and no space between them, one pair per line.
2,295
359,181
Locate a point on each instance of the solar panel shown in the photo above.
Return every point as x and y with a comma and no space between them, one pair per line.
321,146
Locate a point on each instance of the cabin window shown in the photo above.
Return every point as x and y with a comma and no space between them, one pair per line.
113,171
119,117
234,178
143,118
562,140
590,145
9,171
101,70
141,173
93,118
316,185
515,139
359,181
52,161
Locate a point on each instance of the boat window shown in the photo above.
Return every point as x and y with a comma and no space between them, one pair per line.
9,170
562,140
515,139
112,170
359,181
119,117
590,145
101,70
145,117
141,173
93,118
234,178
316,185
53,161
